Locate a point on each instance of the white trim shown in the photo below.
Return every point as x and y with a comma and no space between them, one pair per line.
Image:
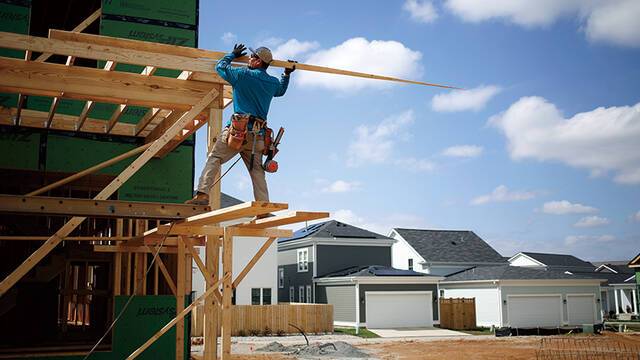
294,244
302,266
344,323
532,282
593,296
301,297
526,256
605,265
358,307
309,295
315,260
380,280
280,277
292,294
500,305
417,255
562,322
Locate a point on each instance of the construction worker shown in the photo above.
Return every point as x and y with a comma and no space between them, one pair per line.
253,90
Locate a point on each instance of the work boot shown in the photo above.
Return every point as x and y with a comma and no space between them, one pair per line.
200,199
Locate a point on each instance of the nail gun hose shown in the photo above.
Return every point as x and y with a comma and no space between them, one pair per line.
225,173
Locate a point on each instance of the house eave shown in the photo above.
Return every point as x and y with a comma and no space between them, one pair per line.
380,280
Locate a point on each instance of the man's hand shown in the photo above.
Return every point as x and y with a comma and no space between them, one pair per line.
239,50
288,71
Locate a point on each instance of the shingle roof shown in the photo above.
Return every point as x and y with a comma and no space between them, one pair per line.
227,200
507,272
450,246
333,229
620,267
610,277
559,260
373,270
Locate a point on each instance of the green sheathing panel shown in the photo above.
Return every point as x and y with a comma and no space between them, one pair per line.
144,32
160,180
144,316
169,10
19,150
14,17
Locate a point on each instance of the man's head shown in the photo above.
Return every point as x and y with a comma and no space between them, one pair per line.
260,58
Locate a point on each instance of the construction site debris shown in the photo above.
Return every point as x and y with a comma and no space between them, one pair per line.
333,350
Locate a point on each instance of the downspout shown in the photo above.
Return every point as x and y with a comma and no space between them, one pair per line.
357,308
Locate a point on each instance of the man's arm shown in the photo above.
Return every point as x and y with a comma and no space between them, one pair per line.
224,68
284,80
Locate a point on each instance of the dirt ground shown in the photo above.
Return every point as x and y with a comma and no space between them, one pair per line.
475,348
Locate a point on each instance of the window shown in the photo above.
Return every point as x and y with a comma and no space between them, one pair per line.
255,296
266,296
309,300
301,294
281,278
410,264
303,260
292,293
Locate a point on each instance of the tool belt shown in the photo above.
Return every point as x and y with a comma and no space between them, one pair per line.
240,124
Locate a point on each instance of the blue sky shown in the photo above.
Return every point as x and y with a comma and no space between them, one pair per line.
540,153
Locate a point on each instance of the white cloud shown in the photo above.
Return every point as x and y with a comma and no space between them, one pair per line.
612,21
592,221
389,58
601,140
415,165
374,143
575,239
616,22
465,100
421,11
293,48
467,151
229,38
341,186
564,207
636,217
503,194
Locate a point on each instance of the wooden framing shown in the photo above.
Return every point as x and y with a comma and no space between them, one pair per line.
97,208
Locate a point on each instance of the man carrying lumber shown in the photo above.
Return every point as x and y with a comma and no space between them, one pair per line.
253,90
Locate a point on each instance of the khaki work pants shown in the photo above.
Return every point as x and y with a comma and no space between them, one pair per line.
222,153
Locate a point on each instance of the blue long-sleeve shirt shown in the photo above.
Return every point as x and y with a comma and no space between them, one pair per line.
253,89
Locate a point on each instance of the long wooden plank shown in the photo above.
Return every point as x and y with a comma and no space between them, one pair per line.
208,277
98,208
206,56
148,118
285,219
246,209
68,238
277,233
227,270
182,278
132,249
72,224
189,230
96,84
253,262
165,272
211,312
83,25
171,323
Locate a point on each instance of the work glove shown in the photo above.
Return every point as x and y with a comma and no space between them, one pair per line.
239,50
288,71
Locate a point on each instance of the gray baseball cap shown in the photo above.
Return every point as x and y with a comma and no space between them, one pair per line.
263,53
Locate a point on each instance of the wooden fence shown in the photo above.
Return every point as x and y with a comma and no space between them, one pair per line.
458,314
251,319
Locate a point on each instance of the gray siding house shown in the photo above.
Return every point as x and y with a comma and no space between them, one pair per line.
349,267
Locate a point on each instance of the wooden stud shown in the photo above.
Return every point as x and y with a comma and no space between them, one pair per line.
127,281
164,270
52,111
115,117
205,273
180,301
147,119
253,262
227,269
156,273
212,249
83,25
171,323
117,259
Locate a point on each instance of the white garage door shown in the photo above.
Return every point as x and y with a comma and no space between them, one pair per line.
533,311
581,309
390,309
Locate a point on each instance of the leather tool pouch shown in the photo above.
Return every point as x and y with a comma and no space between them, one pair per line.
237,131
268,140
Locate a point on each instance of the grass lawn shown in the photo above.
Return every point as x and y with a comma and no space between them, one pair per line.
478,331
363,332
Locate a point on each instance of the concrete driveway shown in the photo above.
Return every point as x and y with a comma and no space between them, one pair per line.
416,332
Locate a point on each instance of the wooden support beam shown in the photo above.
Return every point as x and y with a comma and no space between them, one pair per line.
68,238
247,209
205,273
211,311
98,208
117,259
128,257
132,249
154,240
276,233
227,270
83,25
253,262
190,230
284,219
88,106
90,170
148,118
171,323
163,126
52,111
165,272
115,117
72,224
118,87
182,278
156,277
140,270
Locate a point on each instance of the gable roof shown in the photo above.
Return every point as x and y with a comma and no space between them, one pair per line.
559,260
450,246
618,267
508,272
635,262
373,270
333,229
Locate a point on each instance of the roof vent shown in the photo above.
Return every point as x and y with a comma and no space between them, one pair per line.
454,243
